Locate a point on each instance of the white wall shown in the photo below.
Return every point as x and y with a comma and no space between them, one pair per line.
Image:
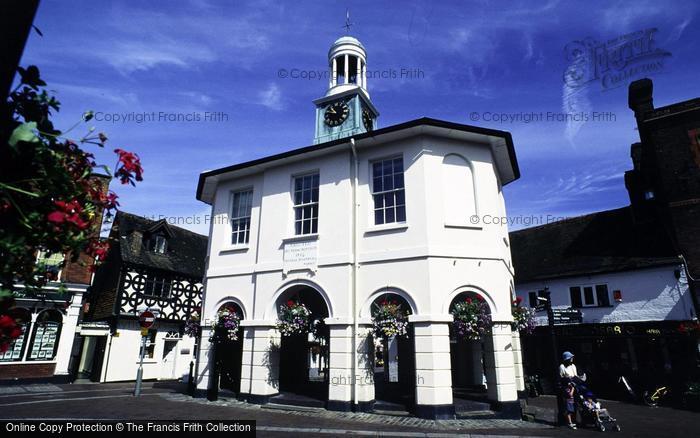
122,353
652,294
428,260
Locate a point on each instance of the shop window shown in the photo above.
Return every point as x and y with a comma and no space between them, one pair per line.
589,296
23,320
47,330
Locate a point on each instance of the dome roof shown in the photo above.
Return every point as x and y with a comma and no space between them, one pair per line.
347,40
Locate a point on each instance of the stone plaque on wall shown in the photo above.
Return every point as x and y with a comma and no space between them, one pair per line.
300,255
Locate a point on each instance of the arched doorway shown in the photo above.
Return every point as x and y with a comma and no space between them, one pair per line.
466,346
394,361
303,355
227,339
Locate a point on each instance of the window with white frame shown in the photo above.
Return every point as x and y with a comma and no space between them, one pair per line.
157,286
306,204
589,296
159,244
388,191
242,205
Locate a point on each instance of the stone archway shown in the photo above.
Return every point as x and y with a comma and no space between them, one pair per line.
466,355
394,358
304,357
228,351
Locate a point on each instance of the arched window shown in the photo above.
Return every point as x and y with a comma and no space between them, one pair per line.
23,319
458,190
47,330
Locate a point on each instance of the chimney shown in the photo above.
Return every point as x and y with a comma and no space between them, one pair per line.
640,98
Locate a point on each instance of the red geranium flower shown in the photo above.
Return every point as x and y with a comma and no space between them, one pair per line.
130,168
290,303
68,212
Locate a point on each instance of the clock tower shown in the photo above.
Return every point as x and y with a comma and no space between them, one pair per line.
346,109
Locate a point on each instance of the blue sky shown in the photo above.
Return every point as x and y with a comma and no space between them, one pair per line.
475,57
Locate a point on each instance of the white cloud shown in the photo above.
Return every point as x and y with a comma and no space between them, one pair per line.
271,97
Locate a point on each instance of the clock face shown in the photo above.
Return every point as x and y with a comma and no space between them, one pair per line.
336,113
367,120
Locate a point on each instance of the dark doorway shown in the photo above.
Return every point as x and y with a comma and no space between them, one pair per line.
230,356
467,361
395,363
228,351
91,358
303,358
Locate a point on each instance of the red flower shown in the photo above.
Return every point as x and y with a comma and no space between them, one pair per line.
68,212
290,303
130,168
98,249
469,300
6,322
519,300
479,298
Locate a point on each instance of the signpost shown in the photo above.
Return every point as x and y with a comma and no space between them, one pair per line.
146,321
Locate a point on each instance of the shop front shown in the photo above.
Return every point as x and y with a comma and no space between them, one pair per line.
646,353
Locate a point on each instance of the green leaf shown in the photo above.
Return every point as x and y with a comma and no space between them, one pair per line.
24,132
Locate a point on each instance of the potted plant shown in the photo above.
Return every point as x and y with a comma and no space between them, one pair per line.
523,317
294,319
471,319
389,320
192,326
226,325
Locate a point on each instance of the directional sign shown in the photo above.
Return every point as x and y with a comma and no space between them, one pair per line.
567,316
146,319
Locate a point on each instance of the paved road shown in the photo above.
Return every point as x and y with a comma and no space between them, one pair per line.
165,401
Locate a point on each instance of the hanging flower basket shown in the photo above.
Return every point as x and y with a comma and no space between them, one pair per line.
471,319
389,320
294,319
523,317
192,326
226,325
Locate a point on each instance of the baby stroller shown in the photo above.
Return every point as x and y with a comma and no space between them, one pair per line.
592,413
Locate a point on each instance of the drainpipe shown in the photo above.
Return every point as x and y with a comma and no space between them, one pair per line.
356,165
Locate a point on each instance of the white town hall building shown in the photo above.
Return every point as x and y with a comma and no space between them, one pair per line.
361,216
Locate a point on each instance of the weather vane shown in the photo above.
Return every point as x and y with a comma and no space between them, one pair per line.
347,21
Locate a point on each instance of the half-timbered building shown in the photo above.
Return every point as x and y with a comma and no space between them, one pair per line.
151,265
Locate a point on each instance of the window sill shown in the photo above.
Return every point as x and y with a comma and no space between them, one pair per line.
397,226
235,248
465,226
302,237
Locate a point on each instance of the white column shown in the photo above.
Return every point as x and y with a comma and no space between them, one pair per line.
518,362
65,342
205,362
347,69
358,71
364,76
334,74
341,377
260,363
500,369
433,366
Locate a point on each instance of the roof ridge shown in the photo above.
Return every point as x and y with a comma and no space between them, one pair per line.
569,219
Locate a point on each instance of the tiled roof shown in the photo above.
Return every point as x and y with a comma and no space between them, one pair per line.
600,242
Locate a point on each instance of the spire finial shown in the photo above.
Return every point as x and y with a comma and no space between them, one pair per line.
347,21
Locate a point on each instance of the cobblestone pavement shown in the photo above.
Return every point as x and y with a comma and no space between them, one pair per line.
166,401
369,418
